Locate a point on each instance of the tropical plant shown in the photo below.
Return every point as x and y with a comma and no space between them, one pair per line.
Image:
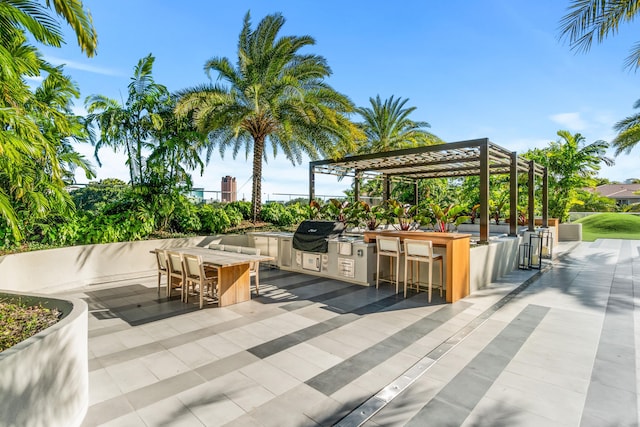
130,126
335,210
273,95
450,215
387,126
277,213
30,15
589,19
35,155
628,133
572,164
402,213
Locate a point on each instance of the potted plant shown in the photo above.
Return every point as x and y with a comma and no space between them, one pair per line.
449,217
403,214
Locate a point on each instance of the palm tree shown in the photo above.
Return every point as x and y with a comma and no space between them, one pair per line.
130,126
273,95
33,147
628,132
589,19
387,126
35,18
572,165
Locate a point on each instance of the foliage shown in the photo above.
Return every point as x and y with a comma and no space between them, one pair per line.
243,207
450,215
591,201
387,127
587,19
213,220
277,213
335,210
628,132
610,225
235,217
36,158
96,194
572,164
18,321
402,213
272,95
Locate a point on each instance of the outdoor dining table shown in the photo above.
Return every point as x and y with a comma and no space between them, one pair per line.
234,282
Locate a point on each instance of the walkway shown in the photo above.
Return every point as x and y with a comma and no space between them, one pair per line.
559,348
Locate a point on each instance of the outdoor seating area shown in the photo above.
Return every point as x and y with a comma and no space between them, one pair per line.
533,348
220,274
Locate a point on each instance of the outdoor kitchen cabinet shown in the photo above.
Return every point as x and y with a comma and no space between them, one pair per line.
268,245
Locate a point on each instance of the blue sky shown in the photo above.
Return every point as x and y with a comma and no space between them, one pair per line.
492,69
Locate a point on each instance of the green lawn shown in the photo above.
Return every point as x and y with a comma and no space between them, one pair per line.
610,226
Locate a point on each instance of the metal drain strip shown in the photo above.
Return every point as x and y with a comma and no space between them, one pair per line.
371,406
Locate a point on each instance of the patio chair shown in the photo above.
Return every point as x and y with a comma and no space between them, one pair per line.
161,262
254,266
389,247
196,275
176,276
421,251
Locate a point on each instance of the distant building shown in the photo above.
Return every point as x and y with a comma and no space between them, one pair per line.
197,194
228,189
623,194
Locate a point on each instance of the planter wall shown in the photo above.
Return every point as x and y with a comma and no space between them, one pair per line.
44,380
490,262
54,270
570,232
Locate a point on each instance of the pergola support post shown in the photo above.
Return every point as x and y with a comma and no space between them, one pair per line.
513,195
532,189
416,196
484,192
312,182
386,188
545,198
356,186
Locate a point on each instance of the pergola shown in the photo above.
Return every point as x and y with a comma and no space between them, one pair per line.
478,157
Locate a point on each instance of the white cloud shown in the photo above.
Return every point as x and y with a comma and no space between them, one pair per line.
74,65
572,121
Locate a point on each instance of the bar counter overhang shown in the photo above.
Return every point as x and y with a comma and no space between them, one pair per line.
457,247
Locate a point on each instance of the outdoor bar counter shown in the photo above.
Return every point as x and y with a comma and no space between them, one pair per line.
456,256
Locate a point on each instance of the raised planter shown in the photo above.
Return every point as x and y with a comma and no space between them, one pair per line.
570,232
44,380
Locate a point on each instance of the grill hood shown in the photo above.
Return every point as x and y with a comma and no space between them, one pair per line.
312,236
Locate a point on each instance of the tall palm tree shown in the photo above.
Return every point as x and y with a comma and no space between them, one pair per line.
273,95
572,165
387,126
628,133
130,126
589,19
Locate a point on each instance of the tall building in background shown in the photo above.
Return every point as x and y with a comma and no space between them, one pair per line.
228,189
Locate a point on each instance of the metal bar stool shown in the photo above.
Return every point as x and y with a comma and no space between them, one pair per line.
421,251
389,247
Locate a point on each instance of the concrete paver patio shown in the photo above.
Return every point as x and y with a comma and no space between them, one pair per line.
557,348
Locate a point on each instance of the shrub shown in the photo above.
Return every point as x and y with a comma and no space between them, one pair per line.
243,207
213,220
277,213
234,215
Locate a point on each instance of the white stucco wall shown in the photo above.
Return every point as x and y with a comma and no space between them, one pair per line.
54,270
44,380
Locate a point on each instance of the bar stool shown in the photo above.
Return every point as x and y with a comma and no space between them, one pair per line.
421,251
389,247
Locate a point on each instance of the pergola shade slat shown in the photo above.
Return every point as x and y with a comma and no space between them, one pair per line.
451,160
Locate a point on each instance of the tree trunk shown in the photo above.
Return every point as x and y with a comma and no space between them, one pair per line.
256,196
